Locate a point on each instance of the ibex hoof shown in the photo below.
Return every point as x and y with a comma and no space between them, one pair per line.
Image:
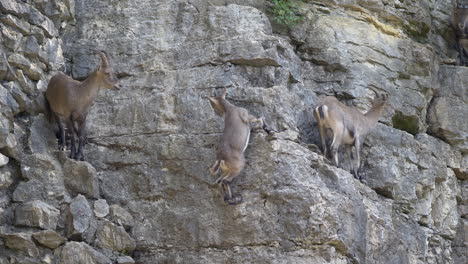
234,200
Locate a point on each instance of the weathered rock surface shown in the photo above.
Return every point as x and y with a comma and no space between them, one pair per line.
80,178
21,242
114,237
125,260
121,216
37,214
49,239
79,220
448,111
150,144
101,208
81,253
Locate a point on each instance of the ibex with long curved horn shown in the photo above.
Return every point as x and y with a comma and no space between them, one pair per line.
346,126
70,99
230,153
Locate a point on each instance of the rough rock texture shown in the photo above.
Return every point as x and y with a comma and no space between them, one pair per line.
80,177
150,144
79,220
101,208
36,214
49,239
114,237
80,253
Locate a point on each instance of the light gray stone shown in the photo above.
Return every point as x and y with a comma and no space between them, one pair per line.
101,208
49,238
3,160
114,237
125,260
22,26
30,47
81,178
121,216
81,253
16,8
6,179
36,214
30,69
80,219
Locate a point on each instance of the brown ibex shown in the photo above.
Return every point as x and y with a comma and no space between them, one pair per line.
346,126
71,99
460,26
230,153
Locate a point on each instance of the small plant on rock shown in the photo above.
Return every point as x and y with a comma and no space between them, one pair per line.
286,12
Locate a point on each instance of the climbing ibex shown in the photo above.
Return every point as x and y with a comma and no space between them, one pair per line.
71,100
230,153
346,126
460,26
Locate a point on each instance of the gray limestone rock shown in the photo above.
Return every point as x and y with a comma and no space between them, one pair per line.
150,144
81,178
121,216
101,208
3,160
29,68
80,223
80,253
49,238
125,260
36,214
21,242
114,237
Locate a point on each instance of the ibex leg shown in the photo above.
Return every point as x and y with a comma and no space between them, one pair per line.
61,133
225,183
215,168
357,166
321,132
81,133
461,52
71,129
334,148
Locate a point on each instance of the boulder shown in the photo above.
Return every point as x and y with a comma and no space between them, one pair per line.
49,238
114,237
37,214
80,253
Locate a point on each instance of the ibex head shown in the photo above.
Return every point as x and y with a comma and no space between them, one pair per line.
106,73
218,103
380,100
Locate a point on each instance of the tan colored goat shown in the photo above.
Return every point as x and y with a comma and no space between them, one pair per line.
230,153
70,99
346,126
460,26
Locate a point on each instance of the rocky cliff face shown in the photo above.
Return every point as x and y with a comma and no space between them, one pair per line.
145,195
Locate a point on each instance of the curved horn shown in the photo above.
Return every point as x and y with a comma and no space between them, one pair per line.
104,61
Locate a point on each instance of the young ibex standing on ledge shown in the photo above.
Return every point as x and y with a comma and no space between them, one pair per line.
71,100
346,126
230,153
460,26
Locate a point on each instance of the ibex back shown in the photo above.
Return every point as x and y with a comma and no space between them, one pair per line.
230,153
346,126
70,99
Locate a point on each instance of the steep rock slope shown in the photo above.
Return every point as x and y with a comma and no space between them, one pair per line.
147,191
